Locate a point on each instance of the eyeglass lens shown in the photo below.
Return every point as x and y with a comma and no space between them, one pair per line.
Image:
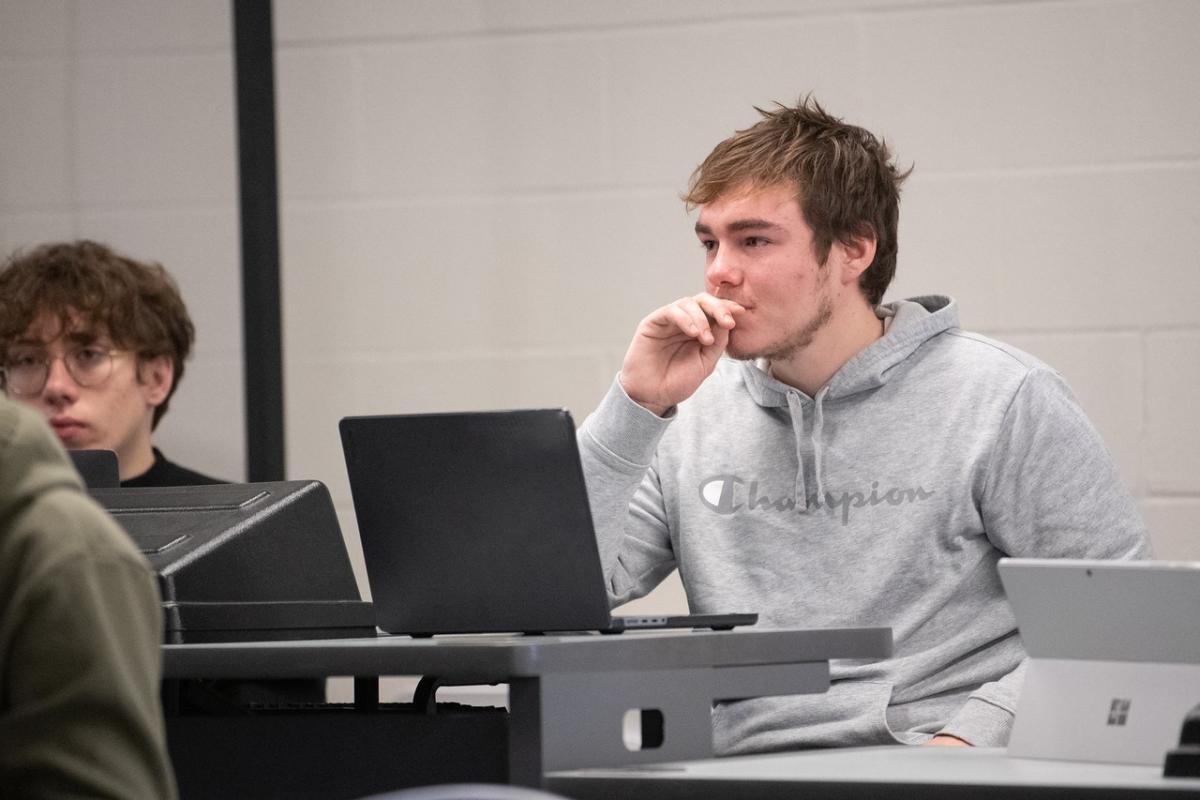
27,370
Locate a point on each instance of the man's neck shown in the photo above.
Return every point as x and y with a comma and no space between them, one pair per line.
851,330
135,460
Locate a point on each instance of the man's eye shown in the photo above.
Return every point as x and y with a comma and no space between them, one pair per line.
25,360
708,244
755,241
89,356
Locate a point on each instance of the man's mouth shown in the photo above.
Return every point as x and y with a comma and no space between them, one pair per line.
66,427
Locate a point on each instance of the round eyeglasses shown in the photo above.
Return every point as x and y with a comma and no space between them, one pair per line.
25,373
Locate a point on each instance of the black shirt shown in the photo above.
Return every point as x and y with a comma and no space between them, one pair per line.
167,473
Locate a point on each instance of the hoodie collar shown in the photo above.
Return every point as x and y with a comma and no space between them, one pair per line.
914,322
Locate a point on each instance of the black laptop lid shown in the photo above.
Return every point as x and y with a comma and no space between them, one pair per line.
454,511
98,468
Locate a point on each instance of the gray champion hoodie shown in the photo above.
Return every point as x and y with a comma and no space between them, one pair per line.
885,500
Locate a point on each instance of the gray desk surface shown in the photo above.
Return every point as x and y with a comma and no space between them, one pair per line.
491,656
555,682
873,772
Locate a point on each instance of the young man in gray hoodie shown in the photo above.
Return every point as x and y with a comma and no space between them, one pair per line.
848,463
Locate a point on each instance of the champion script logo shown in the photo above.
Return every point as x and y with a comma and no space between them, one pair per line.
730,494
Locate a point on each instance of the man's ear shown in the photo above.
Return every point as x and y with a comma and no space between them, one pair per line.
157,376
857,253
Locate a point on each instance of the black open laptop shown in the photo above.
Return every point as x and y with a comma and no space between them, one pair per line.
479,522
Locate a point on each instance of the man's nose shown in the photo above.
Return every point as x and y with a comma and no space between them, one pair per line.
723,268
59,383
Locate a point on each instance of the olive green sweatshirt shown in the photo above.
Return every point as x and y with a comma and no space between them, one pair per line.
80,629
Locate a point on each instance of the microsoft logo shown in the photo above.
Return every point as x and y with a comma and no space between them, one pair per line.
1118,710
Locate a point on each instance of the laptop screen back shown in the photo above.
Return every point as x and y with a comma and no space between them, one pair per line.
1114,653
475,522
98,468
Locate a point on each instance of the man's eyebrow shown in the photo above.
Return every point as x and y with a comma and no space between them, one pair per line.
740,225
83,337
28,341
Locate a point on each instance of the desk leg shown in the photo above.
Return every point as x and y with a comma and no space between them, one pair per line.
170,697
525,732
366,693
576,720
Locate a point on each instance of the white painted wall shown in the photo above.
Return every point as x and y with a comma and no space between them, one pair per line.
479,198
117,124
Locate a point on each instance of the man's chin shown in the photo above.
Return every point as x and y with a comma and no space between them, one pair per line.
739,351
76,439
748,353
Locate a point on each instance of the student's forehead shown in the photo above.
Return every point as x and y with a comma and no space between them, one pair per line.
67,324
750,198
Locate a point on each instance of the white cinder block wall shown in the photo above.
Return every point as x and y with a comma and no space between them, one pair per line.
117,124
480,198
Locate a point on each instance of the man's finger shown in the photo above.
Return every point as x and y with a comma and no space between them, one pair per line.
691,319
718,309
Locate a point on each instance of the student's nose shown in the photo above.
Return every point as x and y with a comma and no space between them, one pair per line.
722,271
60,386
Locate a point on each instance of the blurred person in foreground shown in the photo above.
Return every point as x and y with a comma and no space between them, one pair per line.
80,628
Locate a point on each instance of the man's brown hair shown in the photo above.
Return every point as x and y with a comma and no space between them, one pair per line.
846,182
91,288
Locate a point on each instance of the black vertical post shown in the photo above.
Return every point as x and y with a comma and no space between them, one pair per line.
262,325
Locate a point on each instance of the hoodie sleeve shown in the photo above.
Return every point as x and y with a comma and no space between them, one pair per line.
1052,491
616,446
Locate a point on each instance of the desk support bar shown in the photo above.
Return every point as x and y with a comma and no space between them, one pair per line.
573,719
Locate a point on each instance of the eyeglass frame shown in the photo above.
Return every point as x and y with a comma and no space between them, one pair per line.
46,362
